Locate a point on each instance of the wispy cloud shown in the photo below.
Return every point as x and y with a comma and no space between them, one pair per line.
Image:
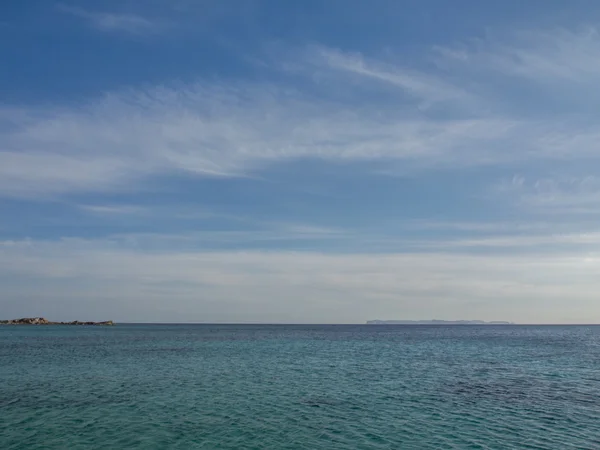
475,227
558,196
214,130
113,209
211,130
590,241
113,22
545,57
427,88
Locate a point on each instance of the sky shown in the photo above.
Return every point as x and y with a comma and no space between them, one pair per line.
300,162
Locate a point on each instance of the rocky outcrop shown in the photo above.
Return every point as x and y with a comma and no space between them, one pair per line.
43,321
27,321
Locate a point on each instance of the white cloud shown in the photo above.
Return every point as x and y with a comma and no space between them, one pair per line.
303,287
265,233
211,130
110,210
543,56
113,22
475,227
216,131
559,195
208,129
427,88
42,172
589,240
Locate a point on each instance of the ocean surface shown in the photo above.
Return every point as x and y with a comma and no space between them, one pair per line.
299,387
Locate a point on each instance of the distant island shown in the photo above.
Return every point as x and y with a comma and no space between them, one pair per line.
436,322
43,321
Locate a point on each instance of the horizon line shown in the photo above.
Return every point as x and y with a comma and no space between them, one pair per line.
354,324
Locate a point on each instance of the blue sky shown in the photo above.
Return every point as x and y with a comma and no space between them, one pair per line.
268,161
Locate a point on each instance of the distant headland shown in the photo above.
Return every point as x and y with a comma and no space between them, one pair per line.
43,321
436,322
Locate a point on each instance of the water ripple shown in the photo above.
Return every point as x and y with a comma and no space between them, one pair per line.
294,387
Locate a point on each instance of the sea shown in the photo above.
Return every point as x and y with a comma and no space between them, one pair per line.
299,387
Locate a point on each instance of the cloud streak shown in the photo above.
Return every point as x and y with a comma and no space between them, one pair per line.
559,54
429,89
113,22
566,195
112,210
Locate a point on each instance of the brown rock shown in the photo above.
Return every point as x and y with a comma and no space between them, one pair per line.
43,321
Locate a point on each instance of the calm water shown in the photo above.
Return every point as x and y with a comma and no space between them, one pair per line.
299,387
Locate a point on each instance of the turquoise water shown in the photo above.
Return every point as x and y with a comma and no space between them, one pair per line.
299,387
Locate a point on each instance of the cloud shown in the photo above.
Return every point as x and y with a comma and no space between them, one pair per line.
298,286
113,22
254,234
212,129
426,87
562,62
110,210
45,172
574,195
589,241
475,227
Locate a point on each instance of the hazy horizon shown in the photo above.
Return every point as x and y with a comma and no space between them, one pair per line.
331,162
414,322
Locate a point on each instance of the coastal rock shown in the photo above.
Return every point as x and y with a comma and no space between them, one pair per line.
28,321
43,321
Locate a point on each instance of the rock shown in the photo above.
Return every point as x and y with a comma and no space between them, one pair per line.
29,321
43,321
